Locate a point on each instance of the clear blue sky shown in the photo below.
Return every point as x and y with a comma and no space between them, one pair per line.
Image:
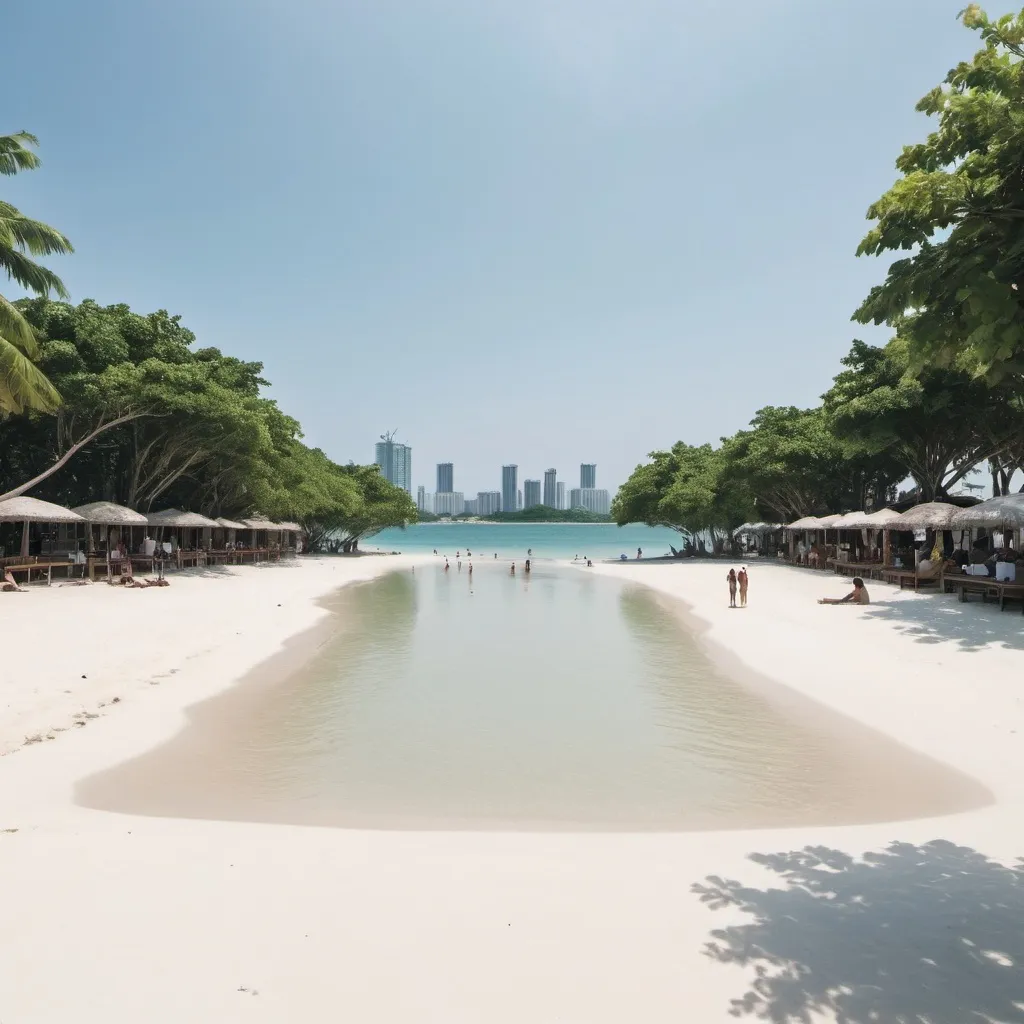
523,231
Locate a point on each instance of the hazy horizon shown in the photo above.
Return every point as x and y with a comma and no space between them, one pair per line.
516,232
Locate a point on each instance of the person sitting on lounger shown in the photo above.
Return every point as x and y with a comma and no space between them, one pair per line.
859,595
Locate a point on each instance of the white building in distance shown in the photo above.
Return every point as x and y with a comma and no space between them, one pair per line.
593,499
488,502
560,495
449,503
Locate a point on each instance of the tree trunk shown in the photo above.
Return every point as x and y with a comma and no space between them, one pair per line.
66,457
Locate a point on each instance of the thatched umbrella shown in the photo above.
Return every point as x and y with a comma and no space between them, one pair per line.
32,510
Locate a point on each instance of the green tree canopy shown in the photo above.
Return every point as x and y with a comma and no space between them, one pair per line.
687,489
795,465
960,206
937,424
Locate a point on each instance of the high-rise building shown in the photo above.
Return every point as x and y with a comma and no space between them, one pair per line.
488,502
421,498
470,507
550,488
590,498
395,461
560,494
445,477
531,493
519,500
588,475
509,488
449,503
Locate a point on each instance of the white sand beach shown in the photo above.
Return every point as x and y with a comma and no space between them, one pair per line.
118,918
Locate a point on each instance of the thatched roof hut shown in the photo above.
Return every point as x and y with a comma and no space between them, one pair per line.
850,521
932,515
1002,511
106,513
176,518
230,524
883,519
32,510
807,523
260,523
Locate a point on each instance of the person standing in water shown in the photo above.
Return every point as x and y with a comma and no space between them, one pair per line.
470,568
744,581
639,553
446,565
513,569
732,587
526,568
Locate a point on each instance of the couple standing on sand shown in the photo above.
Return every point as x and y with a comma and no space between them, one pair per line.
742,580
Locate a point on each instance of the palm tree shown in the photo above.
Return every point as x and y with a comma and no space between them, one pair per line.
22,384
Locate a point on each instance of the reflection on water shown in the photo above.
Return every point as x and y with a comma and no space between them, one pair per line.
557,701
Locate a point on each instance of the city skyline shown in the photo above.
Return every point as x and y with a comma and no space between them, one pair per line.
551,479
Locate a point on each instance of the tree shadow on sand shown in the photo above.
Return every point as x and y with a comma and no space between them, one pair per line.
934,618
929,934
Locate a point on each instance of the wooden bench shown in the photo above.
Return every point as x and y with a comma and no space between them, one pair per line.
904,577
27,567
986,586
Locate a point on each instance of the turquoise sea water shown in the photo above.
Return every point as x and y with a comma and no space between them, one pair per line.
512,540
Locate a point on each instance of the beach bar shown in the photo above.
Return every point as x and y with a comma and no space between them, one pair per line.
31,512
120,522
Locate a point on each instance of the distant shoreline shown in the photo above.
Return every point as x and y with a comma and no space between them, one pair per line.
501,522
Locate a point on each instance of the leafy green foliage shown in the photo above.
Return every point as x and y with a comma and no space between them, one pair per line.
172,425
937,424
960,204
22,384
688,489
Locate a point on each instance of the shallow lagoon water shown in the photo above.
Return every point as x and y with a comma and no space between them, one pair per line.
555,701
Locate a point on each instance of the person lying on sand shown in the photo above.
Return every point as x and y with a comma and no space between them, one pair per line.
859,595
10,584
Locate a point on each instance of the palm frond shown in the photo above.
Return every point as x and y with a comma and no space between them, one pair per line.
15,155
23,385
31,235
17,330
30,275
